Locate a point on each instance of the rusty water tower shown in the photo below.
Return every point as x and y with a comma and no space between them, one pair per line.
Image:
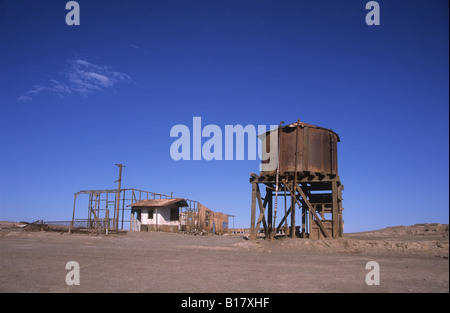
299,171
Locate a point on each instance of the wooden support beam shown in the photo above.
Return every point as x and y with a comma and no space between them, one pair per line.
303,219
262,208
292,208
253,233
310,223
283,219
311,210
269,200
96,219
335,209
293,200
302,177
303,188
341,226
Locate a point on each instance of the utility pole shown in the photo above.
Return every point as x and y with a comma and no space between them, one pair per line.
116,218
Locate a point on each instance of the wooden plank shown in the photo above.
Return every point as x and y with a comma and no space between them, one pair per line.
253,213
341,226
292,209
283,219
310,224
303,219
315,229
269,200
293,200
334,213
309,178
311,210
261,210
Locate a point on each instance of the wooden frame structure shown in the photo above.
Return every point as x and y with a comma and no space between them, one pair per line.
106,208
317,195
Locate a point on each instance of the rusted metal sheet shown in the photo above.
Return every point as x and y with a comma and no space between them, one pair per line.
316,149
159,202
306,165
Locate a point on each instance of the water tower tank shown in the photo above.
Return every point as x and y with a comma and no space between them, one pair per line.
316,149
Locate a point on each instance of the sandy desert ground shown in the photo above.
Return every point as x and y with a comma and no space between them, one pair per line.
412,259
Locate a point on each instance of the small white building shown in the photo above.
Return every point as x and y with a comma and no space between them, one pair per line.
157,214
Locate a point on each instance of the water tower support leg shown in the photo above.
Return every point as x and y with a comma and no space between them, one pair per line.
293,200
262,207
269,199
335,209
253,213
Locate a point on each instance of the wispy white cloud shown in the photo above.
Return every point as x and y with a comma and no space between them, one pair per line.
24,98
37,89
138,49
79,77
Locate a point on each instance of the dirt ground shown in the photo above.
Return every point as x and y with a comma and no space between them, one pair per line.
410,258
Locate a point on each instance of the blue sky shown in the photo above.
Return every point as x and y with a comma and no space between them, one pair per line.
75,100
